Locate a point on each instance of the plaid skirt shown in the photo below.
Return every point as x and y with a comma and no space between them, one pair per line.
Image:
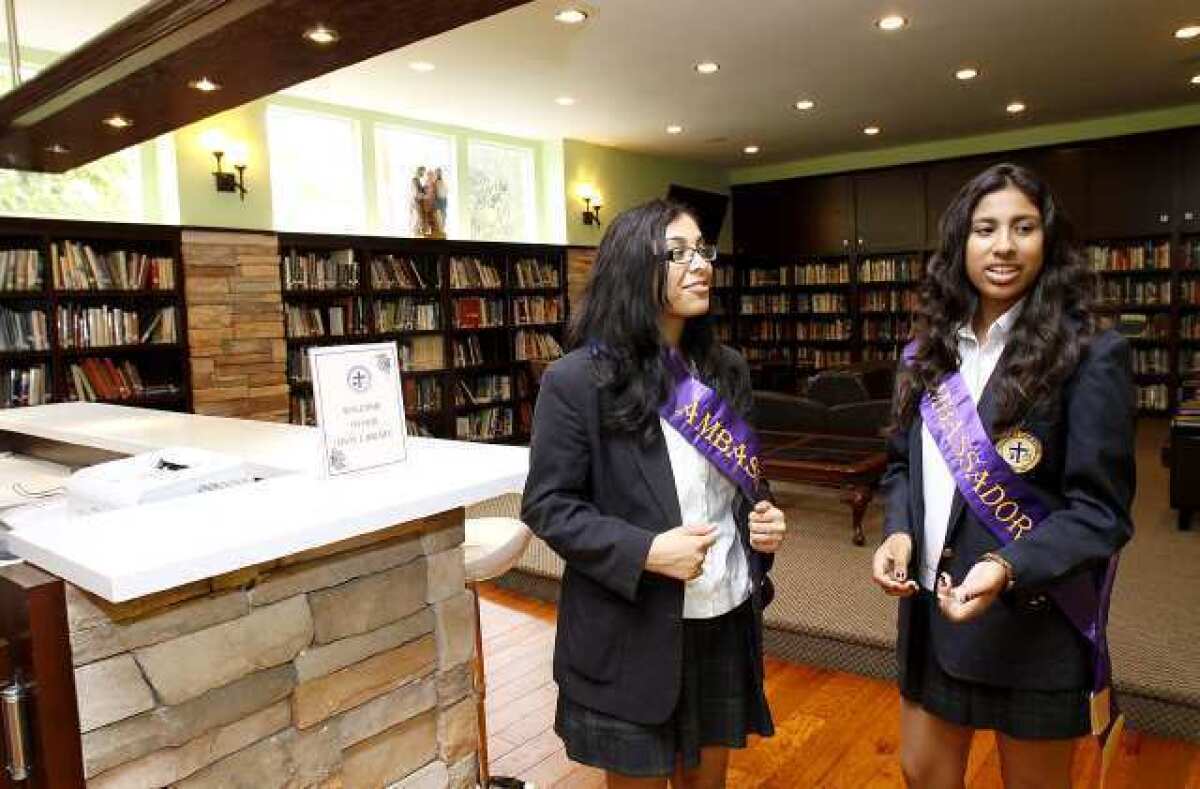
721,700
1017,712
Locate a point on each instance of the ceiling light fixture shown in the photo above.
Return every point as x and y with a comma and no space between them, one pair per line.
708,67
321,35
871,131
891,23
204,85
423,66
966,73
118,122
571,16
1196,80
564,101
675,128
1185,33
751,150
1015,107
57,149
805,104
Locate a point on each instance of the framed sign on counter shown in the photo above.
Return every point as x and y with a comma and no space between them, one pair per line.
360,406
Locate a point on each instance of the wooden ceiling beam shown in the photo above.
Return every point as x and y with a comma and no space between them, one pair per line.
141,68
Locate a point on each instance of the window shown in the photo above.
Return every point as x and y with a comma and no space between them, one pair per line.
109,188
399,155
501,199
316,171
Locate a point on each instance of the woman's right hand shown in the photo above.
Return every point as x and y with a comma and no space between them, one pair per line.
890,568
679,553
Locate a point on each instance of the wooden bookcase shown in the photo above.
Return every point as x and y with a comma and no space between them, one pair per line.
435,393
157,363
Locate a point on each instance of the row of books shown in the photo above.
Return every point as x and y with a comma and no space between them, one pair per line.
889,301
334,320
422,395
1189,362
723,332
422,353
20,269
483,389
821,302
97,327
724,277
311,271
1155,397
20,386
405,314
536,309
1189,327
103,379
78,266
764,331
466,351
815,273
535,345
1191,253
470,272
1137,324
23,330
1140,292
1151,361
1149,256
533,273
390,271
823,330
822,359
485,425
477,313
893,329
766,304
881,353
903,269
768,353
1189,291
298,370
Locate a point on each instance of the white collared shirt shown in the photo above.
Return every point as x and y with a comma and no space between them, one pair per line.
977,365
707,496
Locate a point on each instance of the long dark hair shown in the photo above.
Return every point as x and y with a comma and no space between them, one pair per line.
1047,339
619,322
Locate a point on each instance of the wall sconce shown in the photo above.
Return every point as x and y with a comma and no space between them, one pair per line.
592,203
216,143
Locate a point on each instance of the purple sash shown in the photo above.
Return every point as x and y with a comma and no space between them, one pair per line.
1006,506
713,427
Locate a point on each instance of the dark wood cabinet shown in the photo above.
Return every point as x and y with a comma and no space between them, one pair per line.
1189,202
1066,171
817,215
1131,187
757,219
889,210
943,180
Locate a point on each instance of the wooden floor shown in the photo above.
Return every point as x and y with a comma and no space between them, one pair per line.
832,729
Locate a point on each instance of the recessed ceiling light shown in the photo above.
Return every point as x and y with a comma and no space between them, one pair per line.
674,128
1015,107
57,149
708,67
564,101
750,150
871,131
966,73
805,104
118,122
321,35
1196,80
891,23
571,16
1191,31
422,66
204,85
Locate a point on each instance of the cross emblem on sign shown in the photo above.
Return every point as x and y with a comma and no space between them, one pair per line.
359,379
1017,451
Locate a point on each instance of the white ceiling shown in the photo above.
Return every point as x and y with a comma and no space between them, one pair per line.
630,69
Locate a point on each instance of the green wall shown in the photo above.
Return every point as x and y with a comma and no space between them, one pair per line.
200,204
626,179
1030,137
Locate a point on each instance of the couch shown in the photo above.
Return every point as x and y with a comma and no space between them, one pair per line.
852,401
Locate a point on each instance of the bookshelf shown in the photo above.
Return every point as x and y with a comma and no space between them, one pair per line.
468,318
92,311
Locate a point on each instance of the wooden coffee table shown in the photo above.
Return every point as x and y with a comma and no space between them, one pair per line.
853,465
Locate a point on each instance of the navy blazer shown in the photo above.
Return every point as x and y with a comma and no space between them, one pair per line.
598,499
1085,478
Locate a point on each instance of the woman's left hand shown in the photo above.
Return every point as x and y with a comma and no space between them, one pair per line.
767,527
979,589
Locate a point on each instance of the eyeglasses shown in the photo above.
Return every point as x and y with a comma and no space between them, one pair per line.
687,256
